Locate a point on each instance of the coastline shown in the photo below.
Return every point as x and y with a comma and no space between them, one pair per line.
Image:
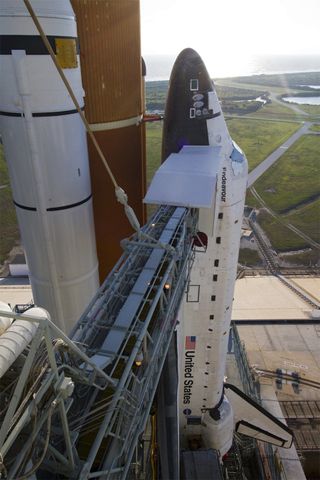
159,66
251,75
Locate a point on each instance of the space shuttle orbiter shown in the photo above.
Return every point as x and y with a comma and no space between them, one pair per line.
204,169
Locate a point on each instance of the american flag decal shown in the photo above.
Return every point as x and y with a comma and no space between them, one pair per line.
191,343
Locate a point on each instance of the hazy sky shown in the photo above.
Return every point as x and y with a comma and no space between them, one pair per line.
237,27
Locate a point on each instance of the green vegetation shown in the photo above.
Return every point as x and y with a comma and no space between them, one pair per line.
308,258
294,179
240,107
4,177
156,93
281,238
284,240
234,100
290,187
306,219
154,140
251,201
249,257
315,128
9,232
310,109
259,138
231,82
276,110
240,101
225,92
285,80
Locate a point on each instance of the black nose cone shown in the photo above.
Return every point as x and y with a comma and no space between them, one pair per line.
187,106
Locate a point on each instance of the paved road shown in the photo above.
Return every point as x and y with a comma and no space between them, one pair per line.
274,156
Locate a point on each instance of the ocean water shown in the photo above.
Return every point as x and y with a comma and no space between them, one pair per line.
159,66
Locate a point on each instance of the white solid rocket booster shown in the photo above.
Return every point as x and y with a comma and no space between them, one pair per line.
46,151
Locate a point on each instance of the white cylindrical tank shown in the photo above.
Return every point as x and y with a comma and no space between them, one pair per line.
15,339
46,151
4,321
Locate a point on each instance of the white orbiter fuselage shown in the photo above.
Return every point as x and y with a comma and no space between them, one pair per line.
206,313
204,169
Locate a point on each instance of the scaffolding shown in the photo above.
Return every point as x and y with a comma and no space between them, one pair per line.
93,402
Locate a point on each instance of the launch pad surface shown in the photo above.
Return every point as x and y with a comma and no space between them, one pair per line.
265,298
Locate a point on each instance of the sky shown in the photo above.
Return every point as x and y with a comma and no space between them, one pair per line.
230,27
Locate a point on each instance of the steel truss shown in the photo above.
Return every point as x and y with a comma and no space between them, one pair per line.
94,399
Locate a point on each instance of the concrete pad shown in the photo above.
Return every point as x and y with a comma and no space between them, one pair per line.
267,298
311,285
291,348
16,294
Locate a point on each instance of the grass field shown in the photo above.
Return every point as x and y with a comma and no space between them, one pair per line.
311,109
307,219
154,141
315,128
276,110
9,232
284,240
248,257
294,178
156,93
281,238
231,82
259,138
256,138
309,258
291,188
234,93
285,80
4,178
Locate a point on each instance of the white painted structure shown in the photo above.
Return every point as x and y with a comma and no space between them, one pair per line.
206,312
18,266
18,269
4,321
16,337
46,150
212,178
